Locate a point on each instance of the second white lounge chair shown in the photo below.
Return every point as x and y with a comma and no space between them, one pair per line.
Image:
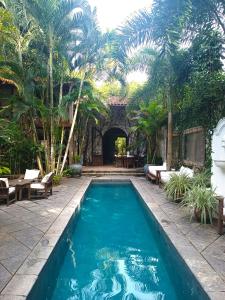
164,176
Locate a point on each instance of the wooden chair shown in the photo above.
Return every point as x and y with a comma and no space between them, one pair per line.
45,186
221,214
6,193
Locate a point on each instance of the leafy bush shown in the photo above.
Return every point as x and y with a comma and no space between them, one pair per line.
177,186
5,171
67,173
201,202
57,179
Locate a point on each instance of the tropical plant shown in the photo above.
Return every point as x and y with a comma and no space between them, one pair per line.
201,202
120,144
87,56
202,179
147,120
177,187
57,20
57,179
4,170
67,173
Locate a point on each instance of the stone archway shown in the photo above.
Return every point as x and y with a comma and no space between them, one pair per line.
108,143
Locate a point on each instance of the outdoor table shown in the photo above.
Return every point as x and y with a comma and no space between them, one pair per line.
19,185
119,161
129,161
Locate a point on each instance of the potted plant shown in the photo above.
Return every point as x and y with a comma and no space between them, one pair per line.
77,166
201,202
177,186
202,179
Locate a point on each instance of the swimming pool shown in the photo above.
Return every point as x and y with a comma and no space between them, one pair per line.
113,248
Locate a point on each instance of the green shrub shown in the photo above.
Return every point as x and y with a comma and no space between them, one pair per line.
57,179
67,173
201,202
5,171
177,186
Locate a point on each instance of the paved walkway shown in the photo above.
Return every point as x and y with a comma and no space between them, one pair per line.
24,224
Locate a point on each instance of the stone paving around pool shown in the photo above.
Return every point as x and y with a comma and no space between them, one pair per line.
29,231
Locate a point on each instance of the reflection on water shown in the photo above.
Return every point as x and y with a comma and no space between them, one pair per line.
113,253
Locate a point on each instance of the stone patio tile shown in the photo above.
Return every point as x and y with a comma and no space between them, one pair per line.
11,297
215,295
41,251
39,220
5,237
215,255
5,276
12,249
16,211
15,227
20,285
202,236
43,227
32,266
12,264
185,225
28,204
50,240
29,237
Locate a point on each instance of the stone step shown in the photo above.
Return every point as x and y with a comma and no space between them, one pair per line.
113,173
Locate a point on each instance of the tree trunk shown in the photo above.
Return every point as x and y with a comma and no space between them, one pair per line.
60,150
35,139
73,124
83,137
170,140
52,146
63,131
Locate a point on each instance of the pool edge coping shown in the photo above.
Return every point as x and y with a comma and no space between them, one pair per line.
21,284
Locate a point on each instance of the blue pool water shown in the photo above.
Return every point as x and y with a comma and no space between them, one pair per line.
113,250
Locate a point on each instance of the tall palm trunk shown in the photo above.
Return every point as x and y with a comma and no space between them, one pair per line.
83,136
50,67
35,139
170,126
170,140
60,150
63,131
73,123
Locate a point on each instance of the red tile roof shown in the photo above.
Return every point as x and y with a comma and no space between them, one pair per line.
117,101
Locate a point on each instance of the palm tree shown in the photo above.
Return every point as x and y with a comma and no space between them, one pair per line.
159,27
57,20
86,58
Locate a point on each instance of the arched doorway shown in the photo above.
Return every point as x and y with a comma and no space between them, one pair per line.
108,144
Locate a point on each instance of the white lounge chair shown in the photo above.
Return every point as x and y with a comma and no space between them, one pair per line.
6,193
44,186
31,174
153,171
165,176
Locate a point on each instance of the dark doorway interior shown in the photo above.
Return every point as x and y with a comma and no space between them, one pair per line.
108,144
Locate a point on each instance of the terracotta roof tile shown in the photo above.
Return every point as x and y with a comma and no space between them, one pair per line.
117,101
